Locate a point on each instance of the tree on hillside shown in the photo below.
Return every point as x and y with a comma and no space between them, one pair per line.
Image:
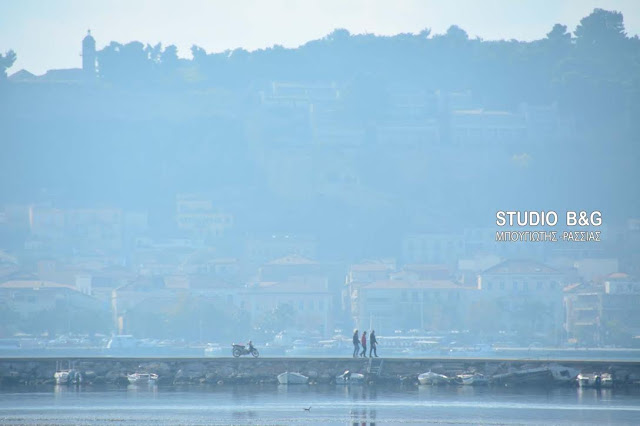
559,34
602,28
6,61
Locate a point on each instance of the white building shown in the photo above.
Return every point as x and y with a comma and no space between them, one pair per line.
527,296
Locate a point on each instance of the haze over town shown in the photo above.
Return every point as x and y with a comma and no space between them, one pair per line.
183,197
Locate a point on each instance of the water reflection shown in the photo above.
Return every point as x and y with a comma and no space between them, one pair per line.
60,390
594,394
352,405
363,417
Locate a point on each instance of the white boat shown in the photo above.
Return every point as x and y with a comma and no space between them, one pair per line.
595,380
471,379
62,377
349,378
563,374
544,375
290,378
140,378
430,378
606,380
525,376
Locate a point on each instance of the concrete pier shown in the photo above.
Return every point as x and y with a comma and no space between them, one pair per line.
16,371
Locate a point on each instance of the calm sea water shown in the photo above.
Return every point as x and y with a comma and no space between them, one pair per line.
334,405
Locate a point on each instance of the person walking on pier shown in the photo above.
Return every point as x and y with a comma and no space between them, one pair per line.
373,342
356,343
364,344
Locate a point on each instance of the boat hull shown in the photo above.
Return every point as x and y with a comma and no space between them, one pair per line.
532,376
289,378
61,377
138,379
595,380
433,379
353,379
471,380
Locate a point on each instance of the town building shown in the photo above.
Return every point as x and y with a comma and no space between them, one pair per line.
483,127
604,313
260,249
405,304
527,297
196,214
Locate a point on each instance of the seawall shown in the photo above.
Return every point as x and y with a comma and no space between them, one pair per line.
27,371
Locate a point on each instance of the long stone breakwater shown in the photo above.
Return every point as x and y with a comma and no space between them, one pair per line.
182,371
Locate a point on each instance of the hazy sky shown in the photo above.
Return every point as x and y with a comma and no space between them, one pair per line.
47,34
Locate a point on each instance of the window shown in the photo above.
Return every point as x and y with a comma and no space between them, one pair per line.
320,305
539,285
301,306
501,285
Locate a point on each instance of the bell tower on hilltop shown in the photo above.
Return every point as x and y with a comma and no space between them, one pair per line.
89,56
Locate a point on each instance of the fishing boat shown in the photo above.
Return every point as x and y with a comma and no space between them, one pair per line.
141,378
606,380
471,379
544,375
525,376
563,374
595,380
62,377
291,378
349,378
430,378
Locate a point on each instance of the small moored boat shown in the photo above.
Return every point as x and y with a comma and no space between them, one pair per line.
62,377
544,375
349,378
595,380
563,374
140,378
291,378
430,378
471,379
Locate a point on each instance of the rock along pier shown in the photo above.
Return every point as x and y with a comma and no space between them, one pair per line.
183,371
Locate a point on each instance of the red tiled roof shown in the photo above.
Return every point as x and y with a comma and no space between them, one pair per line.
520,267
288,287
371,267
294,259
35,284
414,284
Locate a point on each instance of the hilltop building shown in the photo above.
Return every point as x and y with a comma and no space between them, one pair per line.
89,56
